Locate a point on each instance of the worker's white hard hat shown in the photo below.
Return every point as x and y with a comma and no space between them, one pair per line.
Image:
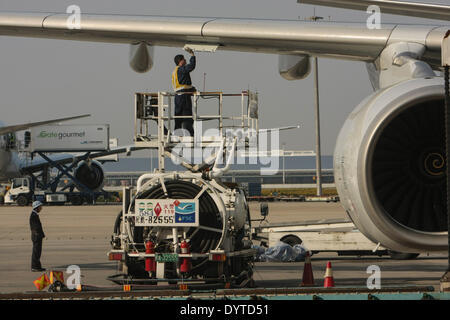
37,204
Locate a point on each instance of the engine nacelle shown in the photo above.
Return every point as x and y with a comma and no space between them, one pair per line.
389,166
294,67
141,57
90,174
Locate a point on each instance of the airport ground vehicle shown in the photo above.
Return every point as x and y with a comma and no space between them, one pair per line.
182,227
3,189
332,235
186,226
21,193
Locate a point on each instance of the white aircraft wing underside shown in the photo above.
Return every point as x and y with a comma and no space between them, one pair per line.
331,39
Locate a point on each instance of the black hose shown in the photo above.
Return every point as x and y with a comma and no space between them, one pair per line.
117,223
203,240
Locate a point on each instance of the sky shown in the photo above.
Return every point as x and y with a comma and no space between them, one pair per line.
42,79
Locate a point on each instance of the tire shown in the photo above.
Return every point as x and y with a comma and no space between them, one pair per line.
2,200
76,200
291,240
22,200
89,200
135,269
403,256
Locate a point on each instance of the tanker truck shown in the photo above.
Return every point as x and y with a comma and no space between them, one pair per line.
182,227
186,227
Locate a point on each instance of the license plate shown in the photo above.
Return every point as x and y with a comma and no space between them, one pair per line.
166,212
166,257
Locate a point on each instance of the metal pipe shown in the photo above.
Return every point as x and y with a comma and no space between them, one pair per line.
175,239
318,154
175,246
216,172
141,179
447,151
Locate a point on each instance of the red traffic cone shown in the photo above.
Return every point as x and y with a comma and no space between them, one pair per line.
308,277
329,281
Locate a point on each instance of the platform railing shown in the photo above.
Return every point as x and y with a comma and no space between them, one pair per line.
154,110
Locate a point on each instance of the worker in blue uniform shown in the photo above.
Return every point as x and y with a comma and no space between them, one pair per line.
182,85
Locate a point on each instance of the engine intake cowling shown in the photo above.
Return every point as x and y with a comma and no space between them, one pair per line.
91,175
390,167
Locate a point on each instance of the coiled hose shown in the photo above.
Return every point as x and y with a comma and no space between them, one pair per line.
202,241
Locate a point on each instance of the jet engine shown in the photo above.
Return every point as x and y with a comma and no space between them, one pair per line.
390,168
90,173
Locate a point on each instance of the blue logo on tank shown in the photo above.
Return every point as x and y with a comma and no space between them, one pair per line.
185,212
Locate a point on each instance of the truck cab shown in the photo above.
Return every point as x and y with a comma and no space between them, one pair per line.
19,192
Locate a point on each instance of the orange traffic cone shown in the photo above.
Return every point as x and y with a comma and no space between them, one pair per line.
308,277
329,281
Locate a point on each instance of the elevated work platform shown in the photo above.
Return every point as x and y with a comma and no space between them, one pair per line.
155,123
154,110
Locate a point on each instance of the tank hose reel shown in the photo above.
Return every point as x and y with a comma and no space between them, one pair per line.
201,240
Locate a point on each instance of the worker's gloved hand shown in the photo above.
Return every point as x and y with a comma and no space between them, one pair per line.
189,50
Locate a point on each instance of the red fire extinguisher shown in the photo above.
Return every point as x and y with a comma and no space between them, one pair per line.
150,265
185,266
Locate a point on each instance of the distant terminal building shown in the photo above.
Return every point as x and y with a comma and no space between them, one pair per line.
276,169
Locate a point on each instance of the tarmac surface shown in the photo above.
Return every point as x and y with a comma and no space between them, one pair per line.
80,236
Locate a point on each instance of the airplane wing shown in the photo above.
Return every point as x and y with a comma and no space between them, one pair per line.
330,39
38,163
19,127
412,9
279,129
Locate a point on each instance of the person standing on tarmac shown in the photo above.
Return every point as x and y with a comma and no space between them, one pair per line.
182,85
37,234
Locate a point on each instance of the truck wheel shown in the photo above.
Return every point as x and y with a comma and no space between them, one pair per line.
22,201
2,200
291,240
76,200
402,256
89,200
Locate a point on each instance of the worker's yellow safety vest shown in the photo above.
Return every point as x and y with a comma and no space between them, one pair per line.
177,86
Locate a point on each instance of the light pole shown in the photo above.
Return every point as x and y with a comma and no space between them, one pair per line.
284,163
445,280
151,160
318,154
204,81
